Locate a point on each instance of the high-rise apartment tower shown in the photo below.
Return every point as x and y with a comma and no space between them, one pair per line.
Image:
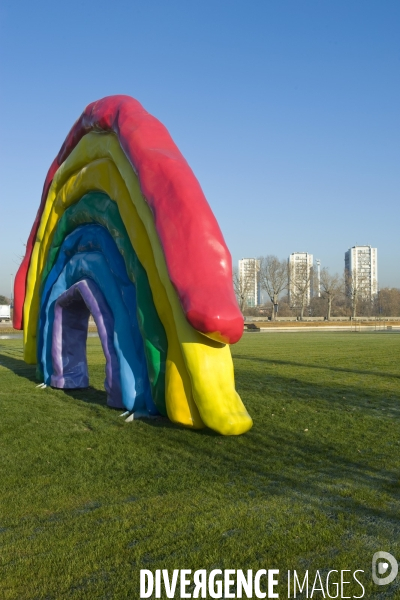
361,270
300,278
249,271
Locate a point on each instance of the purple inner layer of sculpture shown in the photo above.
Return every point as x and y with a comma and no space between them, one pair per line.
71,317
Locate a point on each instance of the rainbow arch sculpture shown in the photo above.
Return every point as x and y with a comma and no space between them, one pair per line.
124,233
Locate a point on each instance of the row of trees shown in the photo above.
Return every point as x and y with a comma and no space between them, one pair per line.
294,290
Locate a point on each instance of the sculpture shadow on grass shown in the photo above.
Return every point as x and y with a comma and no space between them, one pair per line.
12,359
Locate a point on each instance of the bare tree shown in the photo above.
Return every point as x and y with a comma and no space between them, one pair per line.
317,307
356,289
301,279
243,286
388,302
331,286
273,279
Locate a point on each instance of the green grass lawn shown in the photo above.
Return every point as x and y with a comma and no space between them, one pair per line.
87,500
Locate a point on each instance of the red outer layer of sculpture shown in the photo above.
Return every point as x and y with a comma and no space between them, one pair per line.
198,261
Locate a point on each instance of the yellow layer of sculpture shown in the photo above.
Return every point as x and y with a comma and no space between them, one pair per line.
199,376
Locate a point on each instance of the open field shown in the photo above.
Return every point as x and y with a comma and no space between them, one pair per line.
359,325
378,325
87,500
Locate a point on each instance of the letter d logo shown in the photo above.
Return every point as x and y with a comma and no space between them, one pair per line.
379,568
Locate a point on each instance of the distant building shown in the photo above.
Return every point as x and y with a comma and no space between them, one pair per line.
361,270
249,275
300,279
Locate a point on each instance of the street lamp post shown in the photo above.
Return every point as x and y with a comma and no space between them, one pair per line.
319,277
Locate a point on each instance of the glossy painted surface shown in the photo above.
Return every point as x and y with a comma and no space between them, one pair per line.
99,208
70,328
69,185
199,375
118,293
199,379
198,261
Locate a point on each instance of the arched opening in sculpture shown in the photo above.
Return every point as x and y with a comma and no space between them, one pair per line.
72,310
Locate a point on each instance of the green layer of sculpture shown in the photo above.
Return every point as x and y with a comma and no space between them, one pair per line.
97,207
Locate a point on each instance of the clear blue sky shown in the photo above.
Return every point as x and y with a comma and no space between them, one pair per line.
287,112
